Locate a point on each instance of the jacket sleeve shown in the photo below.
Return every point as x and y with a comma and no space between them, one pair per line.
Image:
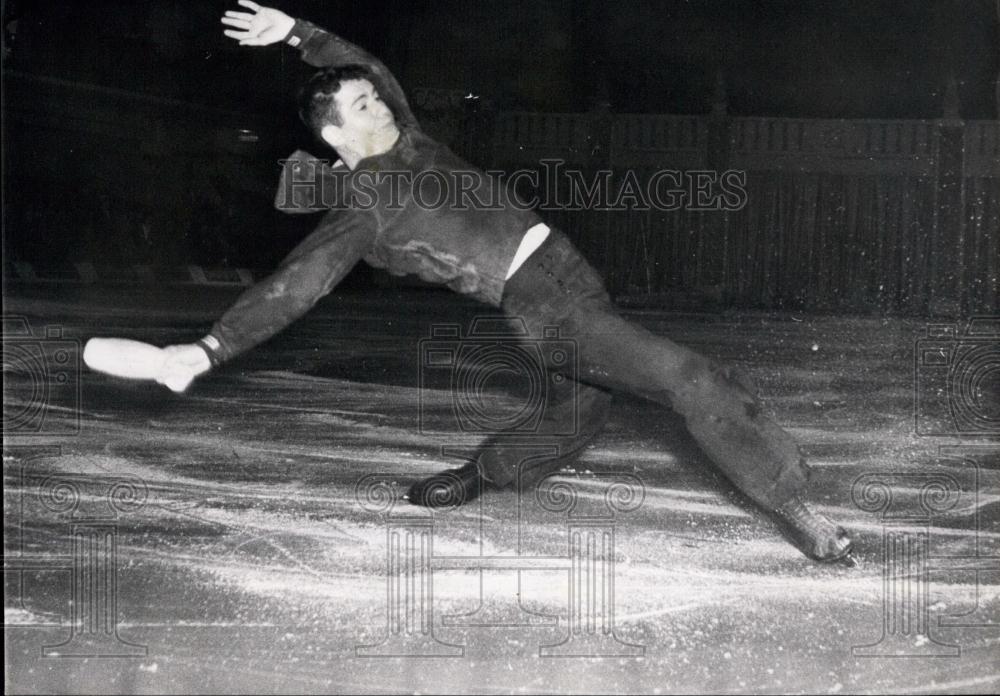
308,273
322,49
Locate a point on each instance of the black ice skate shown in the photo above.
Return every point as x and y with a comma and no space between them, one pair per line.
449,488
813,534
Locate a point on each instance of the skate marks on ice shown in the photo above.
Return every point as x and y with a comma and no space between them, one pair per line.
250,543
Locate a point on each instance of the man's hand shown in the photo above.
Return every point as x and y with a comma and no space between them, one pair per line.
263,27
183,364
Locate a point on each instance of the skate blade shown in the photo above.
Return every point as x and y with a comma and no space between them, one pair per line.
849,560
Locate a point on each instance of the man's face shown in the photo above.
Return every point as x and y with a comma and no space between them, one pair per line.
368,126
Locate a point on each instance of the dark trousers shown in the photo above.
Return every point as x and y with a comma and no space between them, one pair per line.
556,287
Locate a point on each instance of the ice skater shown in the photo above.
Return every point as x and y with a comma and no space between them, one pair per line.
503,255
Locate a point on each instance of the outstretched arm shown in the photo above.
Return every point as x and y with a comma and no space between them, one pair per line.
263,26
311,271
308,273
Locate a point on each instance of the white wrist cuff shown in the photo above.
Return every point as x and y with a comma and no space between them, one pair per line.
211,342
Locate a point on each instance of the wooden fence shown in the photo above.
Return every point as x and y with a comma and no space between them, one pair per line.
895,216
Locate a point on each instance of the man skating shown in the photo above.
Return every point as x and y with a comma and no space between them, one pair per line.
503,255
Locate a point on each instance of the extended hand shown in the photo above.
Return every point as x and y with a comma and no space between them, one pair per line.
262,27
182,365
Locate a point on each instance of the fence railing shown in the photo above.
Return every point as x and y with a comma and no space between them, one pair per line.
846,215
839,215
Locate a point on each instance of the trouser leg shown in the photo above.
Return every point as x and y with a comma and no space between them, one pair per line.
574,414
721,413
556,286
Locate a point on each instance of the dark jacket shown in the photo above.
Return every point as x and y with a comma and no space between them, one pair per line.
390,211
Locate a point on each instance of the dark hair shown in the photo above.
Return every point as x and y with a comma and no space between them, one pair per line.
317,107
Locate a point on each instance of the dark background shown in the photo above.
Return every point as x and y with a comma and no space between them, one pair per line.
136,133
831,59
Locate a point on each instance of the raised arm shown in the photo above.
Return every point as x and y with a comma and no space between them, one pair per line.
263,26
